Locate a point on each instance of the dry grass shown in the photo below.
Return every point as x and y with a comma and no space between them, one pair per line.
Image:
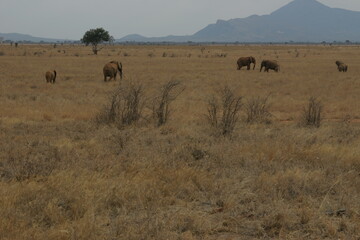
64,177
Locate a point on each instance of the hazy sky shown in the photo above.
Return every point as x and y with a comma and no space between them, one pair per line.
70,19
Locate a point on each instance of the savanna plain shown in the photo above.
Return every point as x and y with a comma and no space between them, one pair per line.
68,172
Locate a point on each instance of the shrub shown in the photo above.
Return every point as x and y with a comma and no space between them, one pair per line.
125,106
257,110
161,103
2,53
224,116
311,115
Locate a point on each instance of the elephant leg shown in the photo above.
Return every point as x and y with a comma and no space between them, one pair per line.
248,67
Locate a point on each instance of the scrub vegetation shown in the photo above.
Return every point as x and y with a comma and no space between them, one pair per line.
185,146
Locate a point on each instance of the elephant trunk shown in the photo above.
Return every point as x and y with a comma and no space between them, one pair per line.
254,65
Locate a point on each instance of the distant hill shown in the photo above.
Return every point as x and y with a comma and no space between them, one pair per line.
17,37
299,21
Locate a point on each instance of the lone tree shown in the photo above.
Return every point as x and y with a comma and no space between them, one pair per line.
95,37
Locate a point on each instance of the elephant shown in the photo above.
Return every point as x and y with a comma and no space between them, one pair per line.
50,76
111,69
246,61
270,64
342,67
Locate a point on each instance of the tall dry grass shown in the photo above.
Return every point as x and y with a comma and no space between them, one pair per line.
62,176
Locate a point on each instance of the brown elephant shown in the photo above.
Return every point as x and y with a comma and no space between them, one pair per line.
246,61
111,69
270,64
50,76
342,67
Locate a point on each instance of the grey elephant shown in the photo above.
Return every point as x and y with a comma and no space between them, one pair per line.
50,76
246,61
270,64
342,67
111,69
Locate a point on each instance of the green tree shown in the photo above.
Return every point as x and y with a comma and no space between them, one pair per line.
95,37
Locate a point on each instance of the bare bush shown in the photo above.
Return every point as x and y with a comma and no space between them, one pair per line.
311,115
125,106
224,116
257,110
161,103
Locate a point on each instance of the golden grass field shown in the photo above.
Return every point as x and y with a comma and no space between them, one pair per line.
64,175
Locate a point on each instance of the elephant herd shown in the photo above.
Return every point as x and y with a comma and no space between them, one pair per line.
111,69
266,64
274,65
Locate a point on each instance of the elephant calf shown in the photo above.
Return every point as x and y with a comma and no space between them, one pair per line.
50,76
270,64
111,69
342,67
246,61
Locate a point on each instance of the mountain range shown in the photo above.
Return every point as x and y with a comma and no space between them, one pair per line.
18,37
298,21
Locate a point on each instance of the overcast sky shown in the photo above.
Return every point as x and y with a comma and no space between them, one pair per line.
70,19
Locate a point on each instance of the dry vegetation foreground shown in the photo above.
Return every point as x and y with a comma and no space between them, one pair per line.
67,174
